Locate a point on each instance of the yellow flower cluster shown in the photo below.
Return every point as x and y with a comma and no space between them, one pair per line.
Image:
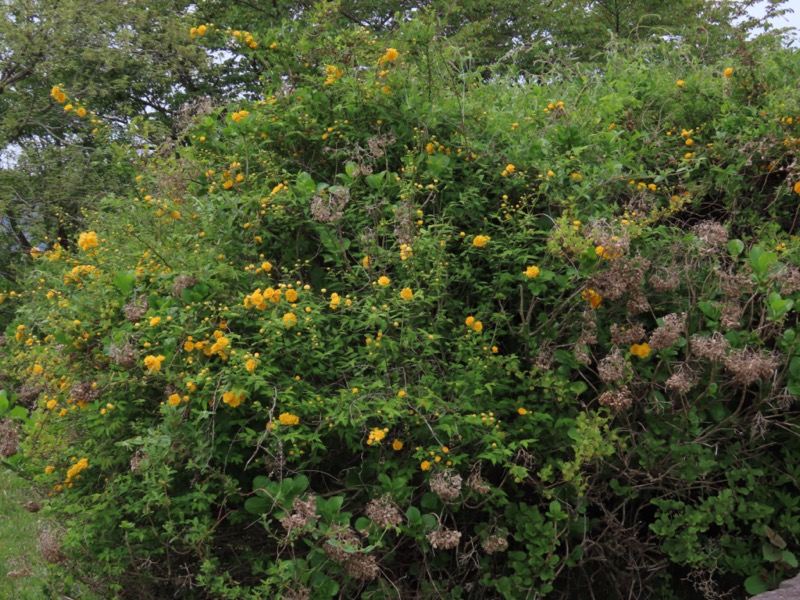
641,350
554,106
239,115
258,299
58,94
196,31
245,37
289,419
289,320
79,466
532,272
153,363
77,274
593,298
390,56
509,170
336,300
376,435
233,398
476,326
174,400
407,294
333,73
480,241
384,280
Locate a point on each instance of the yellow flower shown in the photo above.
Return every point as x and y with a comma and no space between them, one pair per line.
477,326
797,188
87,241
289,419
390,56
49,469
365,262
641,350
384,280
155,321
190,385
250,365
81,112
510,168
153,363
201,30
174,400
727,73
593,298
407,294
689,142
397,445
233,399
51,404
68,107
189,346
401,394
336,300
522,411
425,465
680,83
479,241
376,435
469,321
266,266
532,272
37,369
289,320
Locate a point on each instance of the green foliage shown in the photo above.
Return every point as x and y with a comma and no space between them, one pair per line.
397,329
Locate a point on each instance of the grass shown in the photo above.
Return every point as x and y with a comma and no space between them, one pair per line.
22,570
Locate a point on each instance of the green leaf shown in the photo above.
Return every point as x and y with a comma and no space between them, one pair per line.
257,505
305,185
735,247
756,584
123,281
3,402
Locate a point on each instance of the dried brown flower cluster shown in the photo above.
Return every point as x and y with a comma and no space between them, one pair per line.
9,438
494,543
613,368
383,513
681,381
667,334
84,392
329,208
616,400
714,347
748,366
346,551
182,282
123,354
304,514
136,309
711,234
444,539
446,485
625,336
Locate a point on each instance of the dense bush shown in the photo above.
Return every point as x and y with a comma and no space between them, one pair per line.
404,330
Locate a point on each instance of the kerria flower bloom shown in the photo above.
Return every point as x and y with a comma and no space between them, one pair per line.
480,241
87,241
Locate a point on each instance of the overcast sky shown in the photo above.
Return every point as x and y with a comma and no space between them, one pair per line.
789,20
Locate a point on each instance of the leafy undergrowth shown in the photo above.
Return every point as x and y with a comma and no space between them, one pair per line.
402,330
22,573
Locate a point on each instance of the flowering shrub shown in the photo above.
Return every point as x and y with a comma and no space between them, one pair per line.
410,333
